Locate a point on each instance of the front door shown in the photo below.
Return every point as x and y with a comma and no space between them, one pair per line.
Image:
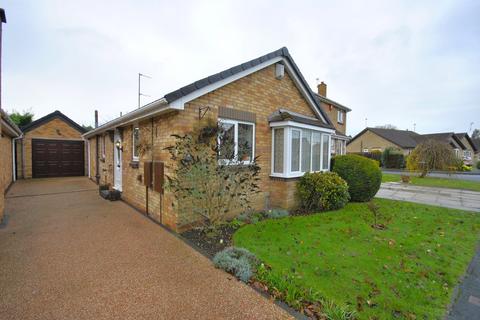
117,175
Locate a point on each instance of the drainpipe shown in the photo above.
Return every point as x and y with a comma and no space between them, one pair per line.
97,172
14,156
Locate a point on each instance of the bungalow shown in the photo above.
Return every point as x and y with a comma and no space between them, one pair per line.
265,102
378,139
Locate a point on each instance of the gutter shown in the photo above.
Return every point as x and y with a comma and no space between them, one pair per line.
146,111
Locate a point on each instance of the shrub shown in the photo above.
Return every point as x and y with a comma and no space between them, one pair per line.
238,261
431,155
393,158
478,165
322,191
362,175
276,214
200,185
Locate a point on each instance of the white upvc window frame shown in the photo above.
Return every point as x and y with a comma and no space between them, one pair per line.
135,157
235,160
340,116
289,127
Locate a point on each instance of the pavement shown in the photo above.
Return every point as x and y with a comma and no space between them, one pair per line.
443,197
66,253
468,175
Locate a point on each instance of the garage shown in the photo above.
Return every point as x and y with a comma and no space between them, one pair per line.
57,158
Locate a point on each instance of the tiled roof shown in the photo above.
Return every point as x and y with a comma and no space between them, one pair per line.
286,115
51,116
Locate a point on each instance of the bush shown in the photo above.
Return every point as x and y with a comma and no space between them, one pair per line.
478,165
322,191
431,155
362,175
276,214
238,261
393,159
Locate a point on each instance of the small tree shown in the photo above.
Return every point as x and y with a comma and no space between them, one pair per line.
201,183
431,155
21,118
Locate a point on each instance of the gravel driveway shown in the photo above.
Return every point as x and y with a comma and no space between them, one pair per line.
65,253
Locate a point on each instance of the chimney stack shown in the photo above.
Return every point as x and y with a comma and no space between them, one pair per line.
96,118
322,89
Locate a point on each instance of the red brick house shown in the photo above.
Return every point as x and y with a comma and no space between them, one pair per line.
265,102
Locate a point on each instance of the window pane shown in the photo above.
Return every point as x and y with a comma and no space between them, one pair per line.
316,151
245,142
325,152
136,140
295,150
278,150
306,151
227,141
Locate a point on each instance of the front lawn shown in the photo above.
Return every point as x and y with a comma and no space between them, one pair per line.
408,270
435,182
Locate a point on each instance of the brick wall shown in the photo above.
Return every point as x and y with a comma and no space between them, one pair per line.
6,172
54,129
332,113
260,93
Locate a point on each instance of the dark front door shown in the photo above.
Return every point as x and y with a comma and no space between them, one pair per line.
57,158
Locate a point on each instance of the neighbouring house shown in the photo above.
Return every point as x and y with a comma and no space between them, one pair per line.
338,115
9,132
51,146
265,103
378,139
471,152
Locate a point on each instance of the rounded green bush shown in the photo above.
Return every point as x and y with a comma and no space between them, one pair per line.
322,191
363,176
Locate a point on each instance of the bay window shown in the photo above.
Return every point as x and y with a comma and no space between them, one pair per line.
296,150
237,142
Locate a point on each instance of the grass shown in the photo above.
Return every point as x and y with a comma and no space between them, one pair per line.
407,270
435,182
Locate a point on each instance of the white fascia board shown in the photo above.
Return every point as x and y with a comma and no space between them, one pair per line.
304,91
147,111
300,125
180,103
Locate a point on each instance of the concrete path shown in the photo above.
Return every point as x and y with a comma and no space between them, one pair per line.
443,197
65,253
472,175
466,304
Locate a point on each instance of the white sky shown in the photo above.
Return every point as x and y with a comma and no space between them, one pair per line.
396,62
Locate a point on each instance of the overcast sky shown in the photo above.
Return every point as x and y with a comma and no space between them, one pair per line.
396,62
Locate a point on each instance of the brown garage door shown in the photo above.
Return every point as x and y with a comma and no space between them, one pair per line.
57,158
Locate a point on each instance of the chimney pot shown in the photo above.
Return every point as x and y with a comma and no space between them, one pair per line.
322,89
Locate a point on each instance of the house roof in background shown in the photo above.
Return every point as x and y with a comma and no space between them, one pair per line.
466,136
402,138
286,115
54,115
330,101
443,137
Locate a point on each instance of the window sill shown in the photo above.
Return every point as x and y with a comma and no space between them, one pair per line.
135,164
293,175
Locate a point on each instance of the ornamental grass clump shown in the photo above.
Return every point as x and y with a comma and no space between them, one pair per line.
238,261
276,213
322,191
